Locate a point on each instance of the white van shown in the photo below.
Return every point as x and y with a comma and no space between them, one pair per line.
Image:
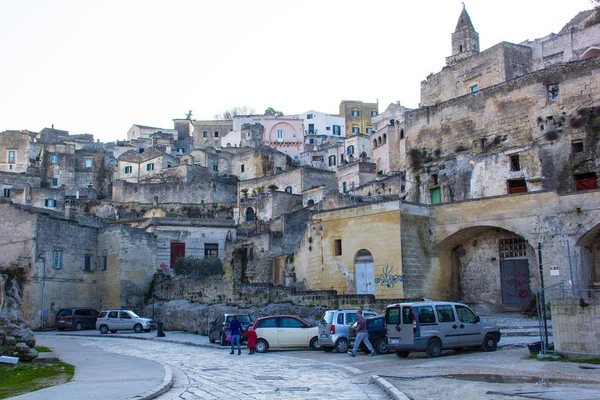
432,326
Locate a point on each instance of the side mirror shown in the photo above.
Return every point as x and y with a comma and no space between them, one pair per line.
477,319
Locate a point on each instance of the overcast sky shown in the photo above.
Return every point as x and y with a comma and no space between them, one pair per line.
101,66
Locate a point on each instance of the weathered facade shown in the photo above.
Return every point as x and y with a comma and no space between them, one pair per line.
358,116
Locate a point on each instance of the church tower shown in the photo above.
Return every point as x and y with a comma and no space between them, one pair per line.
465,41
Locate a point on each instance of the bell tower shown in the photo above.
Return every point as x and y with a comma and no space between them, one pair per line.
465,41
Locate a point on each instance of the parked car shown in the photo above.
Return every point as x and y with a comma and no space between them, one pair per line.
284,331
432,326
117,320
75,318
220,327
333,328
377,335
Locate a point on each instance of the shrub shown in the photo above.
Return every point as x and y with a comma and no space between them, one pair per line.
198,267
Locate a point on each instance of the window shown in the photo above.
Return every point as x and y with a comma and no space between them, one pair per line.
215,168
331,161
205,134
576,146
373,113
401,133
180,150
6,192
369,129
337,130
249,215
512,248
474,88
309,116
375,143
104,263
128,169
268,323
436,195
350,150
242,168
465,314
88,178
345,187
54,159
338,247
434,179
384,138
288,189
311,128
425,314
50,203
311,141
279,134
553,92
355,113
355,129
124,315
327,128
290,323
216,133
150,167
515,164
89,162
57,259
586,181
517,186
54,181
87,262
113,314
12,155
445,313
211,250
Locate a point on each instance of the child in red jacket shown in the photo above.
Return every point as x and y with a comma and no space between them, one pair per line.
251,335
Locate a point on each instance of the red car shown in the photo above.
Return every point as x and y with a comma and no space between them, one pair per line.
285,331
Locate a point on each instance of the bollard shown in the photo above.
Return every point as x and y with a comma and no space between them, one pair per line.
159,330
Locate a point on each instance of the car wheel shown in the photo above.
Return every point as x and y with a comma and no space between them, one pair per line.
341,345
434,347
78,326
402,353
103,329
489,343
328,349
61,329
138,328
314,344
261,346
381,346
222,339
113,331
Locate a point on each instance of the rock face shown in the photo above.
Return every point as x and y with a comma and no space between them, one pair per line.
195,317
16,338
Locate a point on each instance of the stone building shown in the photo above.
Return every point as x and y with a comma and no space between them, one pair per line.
209,133
18,152
143,165
143,131
358,116
386,139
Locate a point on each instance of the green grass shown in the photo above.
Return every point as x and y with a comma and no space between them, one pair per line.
28,377
43,349
594,360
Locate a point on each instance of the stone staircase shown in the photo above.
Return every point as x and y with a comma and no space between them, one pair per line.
518,330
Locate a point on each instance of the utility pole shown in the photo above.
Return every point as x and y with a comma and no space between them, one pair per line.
543,300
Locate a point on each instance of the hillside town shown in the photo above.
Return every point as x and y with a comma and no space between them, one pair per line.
487,194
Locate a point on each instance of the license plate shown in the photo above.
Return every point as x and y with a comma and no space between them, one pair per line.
323,335
394,341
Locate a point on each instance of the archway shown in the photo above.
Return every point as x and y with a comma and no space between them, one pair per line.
589,248
250,216
365,272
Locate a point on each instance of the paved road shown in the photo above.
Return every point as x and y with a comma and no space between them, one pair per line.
205,371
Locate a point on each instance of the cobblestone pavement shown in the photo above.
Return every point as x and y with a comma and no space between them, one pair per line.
206,373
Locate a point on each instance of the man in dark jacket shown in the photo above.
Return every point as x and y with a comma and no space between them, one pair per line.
236,330
361,335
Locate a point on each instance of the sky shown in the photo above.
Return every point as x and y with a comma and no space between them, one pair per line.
101,66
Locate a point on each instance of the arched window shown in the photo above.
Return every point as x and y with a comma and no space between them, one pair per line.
374,143
401,133
331,161
249,214
288,189
384,138
310,203
460,49
379,141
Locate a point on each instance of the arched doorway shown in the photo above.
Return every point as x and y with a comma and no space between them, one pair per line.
249,214
589,250
365,272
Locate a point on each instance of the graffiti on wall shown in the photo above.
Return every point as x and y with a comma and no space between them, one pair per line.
387,278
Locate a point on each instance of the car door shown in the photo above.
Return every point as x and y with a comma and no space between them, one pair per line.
125,320
448,325
470,326
292,333
112,320
399,321
267,329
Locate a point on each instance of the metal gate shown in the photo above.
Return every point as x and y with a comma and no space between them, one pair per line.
514,278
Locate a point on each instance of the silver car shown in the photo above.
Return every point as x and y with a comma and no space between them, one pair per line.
116,320
334,328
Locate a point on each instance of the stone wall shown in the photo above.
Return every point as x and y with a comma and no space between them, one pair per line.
576,325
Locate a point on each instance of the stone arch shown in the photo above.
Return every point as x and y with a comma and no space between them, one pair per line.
588,247
487,265
590,52
364,270
310,203
250,214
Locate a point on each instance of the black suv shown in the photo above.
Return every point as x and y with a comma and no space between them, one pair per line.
220,326
75,318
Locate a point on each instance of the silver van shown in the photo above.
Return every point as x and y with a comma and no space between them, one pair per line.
334,328
117,320
432,326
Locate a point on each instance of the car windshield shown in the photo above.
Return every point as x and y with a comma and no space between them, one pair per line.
245,319
328,317
64,313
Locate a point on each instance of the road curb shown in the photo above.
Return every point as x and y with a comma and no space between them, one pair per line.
388,388
164,387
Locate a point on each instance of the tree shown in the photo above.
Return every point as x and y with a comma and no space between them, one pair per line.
273,187
228,114
245,192
275,113
198,267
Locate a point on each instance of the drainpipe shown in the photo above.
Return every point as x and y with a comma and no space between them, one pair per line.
43,259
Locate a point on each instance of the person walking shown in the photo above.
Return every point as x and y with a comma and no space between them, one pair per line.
235,328
251,335
362,335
